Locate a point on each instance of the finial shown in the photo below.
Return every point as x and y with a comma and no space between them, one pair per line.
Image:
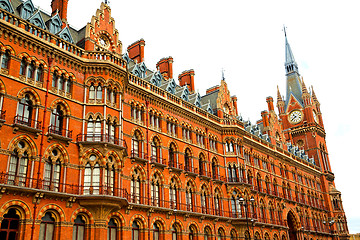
284,29
107,2
222,74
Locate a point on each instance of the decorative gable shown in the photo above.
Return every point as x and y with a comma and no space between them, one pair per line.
224,100
66,35
156,79
37,20
6,5
26,9
54,24
136,71
102,29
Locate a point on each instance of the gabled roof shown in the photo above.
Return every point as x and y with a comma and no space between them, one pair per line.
37,20
6,5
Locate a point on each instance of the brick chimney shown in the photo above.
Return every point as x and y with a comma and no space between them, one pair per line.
61,6
165,66
187,78
270,102
265,119
136,51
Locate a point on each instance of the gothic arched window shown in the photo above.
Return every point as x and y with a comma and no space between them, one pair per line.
47,226
18,166
79,228
25,111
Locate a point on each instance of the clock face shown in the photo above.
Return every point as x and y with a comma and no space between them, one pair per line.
315,117
103,41
295,116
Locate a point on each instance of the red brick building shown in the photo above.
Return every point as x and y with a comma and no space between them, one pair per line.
94,145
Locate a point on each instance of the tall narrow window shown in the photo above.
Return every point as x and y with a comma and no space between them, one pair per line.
155,191
189,197
174,232
23,66
173,194
5,60
52,175
109,177
92,177
99,92
135,231
39,73
18,167
57,121
78,228
25,111
156,231
135,187
112,230
10,225
31,70
91,92
47,227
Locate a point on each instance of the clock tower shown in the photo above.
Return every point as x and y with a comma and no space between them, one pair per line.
303,127
300,114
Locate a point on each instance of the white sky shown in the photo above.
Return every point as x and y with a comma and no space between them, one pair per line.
246,39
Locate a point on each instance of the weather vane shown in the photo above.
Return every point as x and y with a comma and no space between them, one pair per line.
284,29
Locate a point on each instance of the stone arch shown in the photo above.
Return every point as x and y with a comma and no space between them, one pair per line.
141,220
179,223
21,208
63,152
118,160
118,216
63,103
11,50
141,170
88,153
139,131
30,144
55,209
161,175
35,96
25,55
159,220
293,225
83,211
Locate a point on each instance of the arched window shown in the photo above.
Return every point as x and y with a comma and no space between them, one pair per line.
204,200
135,231
54,82
79,228
10,225
31,70
5,60
57,121
68,86
207,234
155,150
172,156
52,173
215,169
92,177
47,227
39,73
110,129
233,235
112,230
202,165
18,166
99,92
221,234
235,205
217,202
192,232
136,146
25,111
155,190
92,92
94,129
23,66
173,194
109,177
174,232
61,85
187,158
136,187
156,231
189,197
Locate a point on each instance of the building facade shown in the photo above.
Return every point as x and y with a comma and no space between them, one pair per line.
94,145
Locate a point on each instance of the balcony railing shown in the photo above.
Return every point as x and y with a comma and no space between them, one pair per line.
191,169
60,131
174,164
157,159
27,122
100,138
47,185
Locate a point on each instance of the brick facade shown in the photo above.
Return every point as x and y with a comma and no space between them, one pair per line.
94,145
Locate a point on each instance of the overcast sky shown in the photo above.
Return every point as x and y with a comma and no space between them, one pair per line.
246,39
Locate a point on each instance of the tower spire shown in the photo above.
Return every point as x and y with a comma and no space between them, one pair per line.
290,63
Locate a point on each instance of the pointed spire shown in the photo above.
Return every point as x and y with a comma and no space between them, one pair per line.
313,95
290,63
278,94
304,89
222,74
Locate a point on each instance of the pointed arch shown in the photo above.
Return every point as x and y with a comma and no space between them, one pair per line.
83,211
22,208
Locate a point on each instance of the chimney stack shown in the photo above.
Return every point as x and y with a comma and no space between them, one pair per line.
136,51
187,78
60,6
270,102
165,67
